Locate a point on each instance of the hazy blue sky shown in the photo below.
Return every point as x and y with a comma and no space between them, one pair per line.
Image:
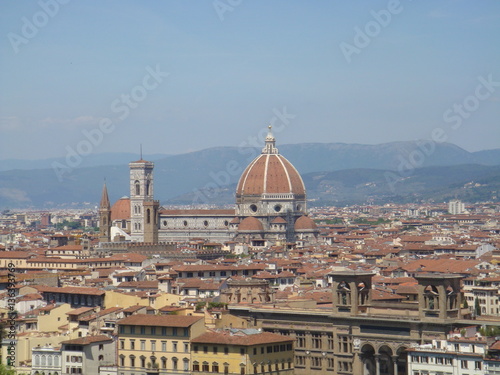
233,64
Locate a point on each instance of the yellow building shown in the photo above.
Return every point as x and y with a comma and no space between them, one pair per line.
242,351
116,298
156,343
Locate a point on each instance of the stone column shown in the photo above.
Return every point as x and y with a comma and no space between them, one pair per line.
395,364
377,364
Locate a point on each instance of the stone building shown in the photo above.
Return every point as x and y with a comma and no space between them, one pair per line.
358,335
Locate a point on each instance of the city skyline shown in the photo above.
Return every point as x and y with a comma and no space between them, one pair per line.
178,77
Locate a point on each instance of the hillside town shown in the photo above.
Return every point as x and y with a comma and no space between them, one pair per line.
271,286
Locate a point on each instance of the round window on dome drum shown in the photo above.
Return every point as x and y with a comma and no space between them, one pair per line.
277,208
253,208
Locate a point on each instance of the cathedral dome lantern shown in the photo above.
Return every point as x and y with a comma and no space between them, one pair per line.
270,185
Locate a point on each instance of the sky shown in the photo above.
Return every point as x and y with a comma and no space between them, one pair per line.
99,76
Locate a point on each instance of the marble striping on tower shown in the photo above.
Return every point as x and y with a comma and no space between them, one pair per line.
143,207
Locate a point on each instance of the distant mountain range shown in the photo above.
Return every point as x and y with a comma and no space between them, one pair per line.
334,173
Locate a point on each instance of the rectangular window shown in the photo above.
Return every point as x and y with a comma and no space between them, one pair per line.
163,346
214,349
132,344
464,364
316,341
186,332
316,362
301,339
242,351
122,344
163,331
143,344
329,363
205,349
226,350
174,331
143,330
186,347
153,345
300,361
174,346
153,330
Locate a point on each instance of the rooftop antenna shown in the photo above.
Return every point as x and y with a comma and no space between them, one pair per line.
141,152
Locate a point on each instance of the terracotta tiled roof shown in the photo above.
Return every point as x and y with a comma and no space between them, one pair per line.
70,290
226,338
304,223
271,174
121,209
160,320
250,224
278,220
198,212
88,340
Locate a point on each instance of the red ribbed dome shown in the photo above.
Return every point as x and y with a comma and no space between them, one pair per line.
271,174
250,224
305,223
121,209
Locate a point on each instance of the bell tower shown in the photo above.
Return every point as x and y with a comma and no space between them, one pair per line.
439,296
143,207
104,216
352,292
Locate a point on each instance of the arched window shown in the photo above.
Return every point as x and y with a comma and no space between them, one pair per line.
148,187
148,216
44,363
137,187
37,360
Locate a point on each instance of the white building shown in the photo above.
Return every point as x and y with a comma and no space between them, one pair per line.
456,207
455,356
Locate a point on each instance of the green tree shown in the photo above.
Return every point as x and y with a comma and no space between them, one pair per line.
4,370
477,308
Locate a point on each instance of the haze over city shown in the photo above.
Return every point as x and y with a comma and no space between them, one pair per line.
215,73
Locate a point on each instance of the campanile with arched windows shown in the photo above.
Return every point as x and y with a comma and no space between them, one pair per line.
143,207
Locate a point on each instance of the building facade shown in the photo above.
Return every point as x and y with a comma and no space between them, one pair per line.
158,344
357,335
